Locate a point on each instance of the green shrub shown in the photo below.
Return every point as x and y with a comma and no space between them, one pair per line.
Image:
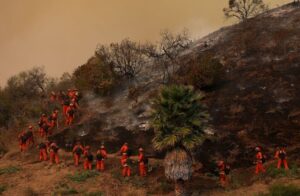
97,77
9,170
83,176
274,172
99,193
283,190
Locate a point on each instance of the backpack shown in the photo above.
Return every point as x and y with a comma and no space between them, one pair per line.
78,151
23,139
263,160
55,149
99,157
66,101
227,169
281,155
129,152
71,112
90,157
146,160
42,146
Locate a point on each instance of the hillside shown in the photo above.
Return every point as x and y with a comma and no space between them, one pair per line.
256,102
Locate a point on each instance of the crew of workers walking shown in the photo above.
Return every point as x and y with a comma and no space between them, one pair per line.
70,104
260,159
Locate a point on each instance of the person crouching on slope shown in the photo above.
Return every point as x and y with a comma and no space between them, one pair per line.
101,155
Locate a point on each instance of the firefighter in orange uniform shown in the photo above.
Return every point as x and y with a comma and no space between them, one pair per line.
101,155
142,162
124,148
282,158
54,153
43,151
88,158
70,114
126,171
77,152
22,141
259,161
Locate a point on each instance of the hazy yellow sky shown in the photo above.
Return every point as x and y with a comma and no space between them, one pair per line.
62,34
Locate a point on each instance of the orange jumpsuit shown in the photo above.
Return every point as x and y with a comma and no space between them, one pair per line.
30,139
54,153
53,97
100,162
77,151
43,152
142,165
259,164
53,121
124,149
22,141
281,156
87,163
222,174
42,122
126,171
70,115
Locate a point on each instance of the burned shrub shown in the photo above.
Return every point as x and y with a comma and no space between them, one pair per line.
202,72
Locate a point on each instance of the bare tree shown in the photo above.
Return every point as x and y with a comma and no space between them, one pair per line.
126,57
244,9
166,54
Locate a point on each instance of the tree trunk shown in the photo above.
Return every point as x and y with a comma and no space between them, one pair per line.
180,188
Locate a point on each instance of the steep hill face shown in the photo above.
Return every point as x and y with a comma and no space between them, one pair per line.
257,103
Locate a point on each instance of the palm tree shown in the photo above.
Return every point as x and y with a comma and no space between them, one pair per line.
178,120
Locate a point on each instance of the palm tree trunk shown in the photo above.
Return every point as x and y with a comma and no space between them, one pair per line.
180,188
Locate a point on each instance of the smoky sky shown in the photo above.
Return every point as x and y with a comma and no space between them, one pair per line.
62,34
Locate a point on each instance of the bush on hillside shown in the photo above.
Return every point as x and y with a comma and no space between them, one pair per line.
98,77
201,72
